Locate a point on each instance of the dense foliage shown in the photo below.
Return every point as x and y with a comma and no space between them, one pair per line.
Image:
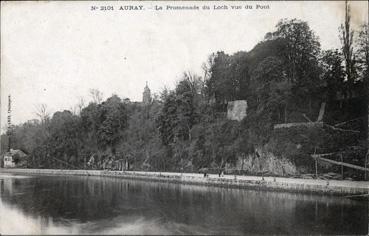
284,79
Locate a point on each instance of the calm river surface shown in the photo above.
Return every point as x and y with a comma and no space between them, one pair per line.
103,205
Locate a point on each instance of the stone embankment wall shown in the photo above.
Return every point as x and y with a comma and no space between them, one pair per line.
330,187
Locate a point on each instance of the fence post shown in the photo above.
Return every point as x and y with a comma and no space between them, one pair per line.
316,164
365,165
316,167
341,166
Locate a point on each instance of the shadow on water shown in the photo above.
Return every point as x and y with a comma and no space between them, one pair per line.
101,205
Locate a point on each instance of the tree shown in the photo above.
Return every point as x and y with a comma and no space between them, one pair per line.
178,114
81,104
346,37
43,132
363,52
167,119
206,66
113,117
185,110
219,86
164,94
301,50
90,122
271,89
42,112
96,96
333,72
28,136
64,136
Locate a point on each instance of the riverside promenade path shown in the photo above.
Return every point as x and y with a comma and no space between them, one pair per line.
316,186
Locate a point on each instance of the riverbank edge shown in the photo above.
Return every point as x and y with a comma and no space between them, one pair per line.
313,186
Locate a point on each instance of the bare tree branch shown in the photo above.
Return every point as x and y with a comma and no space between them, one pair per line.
42,112
96,96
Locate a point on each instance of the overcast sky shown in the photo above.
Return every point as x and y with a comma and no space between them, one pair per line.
54,52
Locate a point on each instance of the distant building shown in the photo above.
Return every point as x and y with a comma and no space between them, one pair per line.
236,110
8,161
15,158
146,96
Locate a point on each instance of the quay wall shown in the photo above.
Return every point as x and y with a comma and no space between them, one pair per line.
315,186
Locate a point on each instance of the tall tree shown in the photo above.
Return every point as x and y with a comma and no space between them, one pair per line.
96,95
346,37
42,112
300,54
114,120
363,52
219,86
301,50
167,119
185,112
271,90
333,72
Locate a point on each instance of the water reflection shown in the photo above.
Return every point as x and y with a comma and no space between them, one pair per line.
93,205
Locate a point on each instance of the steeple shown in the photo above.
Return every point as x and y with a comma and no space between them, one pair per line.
146,96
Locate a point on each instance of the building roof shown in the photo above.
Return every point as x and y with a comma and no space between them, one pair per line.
17,152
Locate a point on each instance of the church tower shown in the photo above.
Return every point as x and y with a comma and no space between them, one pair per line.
146,96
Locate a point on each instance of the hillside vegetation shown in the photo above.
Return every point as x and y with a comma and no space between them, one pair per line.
285,79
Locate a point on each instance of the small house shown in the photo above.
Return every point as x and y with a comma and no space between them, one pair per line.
8,161
14,158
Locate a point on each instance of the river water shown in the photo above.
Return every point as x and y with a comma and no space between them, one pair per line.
103,205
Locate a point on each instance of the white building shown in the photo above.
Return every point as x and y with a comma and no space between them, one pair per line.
14,158
8,161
